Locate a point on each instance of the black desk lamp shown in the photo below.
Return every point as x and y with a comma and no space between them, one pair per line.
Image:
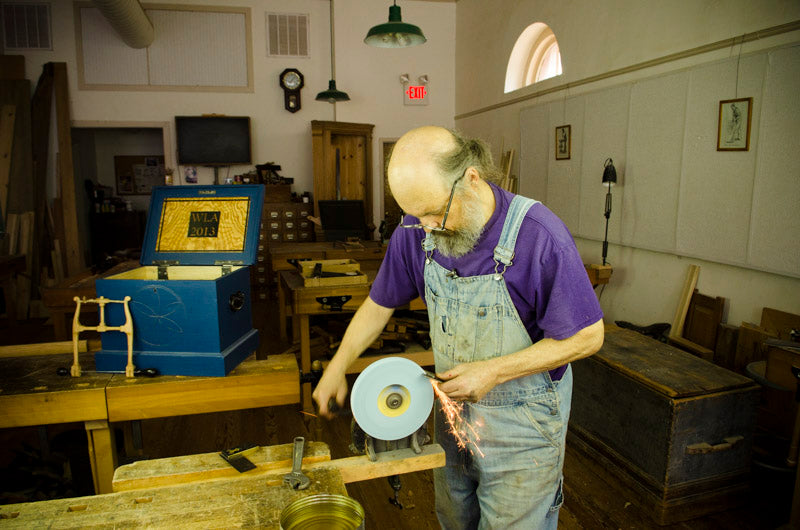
610,176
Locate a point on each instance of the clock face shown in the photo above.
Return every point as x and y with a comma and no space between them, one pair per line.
291,80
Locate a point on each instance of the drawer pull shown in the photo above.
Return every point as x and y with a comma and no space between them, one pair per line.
703,448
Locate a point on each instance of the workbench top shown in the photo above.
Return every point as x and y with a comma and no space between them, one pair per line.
32,393
242,502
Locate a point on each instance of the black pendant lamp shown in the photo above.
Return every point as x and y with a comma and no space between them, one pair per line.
395,33
332,95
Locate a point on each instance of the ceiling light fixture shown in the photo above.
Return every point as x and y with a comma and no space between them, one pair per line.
395,33
332,95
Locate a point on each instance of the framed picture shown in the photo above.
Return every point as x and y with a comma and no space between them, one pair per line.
563,142
733,132
136,175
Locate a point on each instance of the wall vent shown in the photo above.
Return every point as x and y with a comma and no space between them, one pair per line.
287,35
26,26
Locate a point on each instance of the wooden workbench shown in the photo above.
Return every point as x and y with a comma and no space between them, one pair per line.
369,254
31,393
203,491
246,502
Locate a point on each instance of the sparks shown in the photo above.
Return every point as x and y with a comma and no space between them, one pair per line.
464,432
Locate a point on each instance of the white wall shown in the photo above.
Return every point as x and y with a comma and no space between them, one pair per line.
369,75
600,37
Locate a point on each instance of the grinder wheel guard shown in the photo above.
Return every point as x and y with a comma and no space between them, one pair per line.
391,398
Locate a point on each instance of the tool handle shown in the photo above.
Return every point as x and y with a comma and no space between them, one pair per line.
297,453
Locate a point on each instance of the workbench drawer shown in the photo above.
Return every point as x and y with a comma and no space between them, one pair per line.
305,300
679,428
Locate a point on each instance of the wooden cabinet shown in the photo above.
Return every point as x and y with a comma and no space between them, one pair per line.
342,162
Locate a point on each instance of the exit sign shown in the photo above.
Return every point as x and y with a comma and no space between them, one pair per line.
415,95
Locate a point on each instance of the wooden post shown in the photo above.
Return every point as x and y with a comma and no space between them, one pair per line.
72,243
683,303
7,120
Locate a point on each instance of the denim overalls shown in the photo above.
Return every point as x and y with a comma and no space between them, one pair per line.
522,423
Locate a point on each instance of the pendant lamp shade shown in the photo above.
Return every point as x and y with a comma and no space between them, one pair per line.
332,95
395,33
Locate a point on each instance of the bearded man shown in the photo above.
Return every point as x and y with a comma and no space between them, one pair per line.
510,306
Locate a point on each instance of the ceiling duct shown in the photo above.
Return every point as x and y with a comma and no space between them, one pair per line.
129,21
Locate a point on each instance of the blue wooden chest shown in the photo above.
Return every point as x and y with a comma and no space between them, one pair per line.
190,299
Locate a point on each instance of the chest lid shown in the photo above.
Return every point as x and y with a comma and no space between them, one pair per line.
203,225
666,369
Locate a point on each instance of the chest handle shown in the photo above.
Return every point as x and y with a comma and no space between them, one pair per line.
236,301
704,447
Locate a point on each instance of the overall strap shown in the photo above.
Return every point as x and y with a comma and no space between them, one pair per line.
504,251
428,246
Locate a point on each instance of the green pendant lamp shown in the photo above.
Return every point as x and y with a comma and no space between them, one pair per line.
332,95
395,33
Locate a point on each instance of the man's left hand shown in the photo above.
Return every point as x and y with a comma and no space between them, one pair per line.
468,382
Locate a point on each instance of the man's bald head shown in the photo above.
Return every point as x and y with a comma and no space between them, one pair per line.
414,171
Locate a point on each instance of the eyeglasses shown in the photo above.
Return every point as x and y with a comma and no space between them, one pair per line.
440,228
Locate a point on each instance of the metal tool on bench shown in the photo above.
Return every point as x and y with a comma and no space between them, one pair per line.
296,479
137,372
319,273
391,401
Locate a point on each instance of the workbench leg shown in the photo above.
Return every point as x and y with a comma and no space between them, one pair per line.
305,359
102,454
281,311
10,292
132,438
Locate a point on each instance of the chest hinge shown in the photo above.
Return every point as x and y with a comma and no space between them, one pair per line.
226,265
163,265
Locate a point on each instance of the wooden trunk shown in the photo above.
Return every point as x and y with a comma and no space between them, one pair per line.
678,427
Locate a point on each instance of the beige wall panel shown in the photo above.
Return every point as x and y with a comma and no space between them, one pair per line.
716,187
535,141
564,176
651,176
605,132
198,48
107,60
774,241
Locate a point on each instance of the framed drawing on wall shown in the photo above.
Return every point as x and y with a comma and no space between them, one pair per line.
733,129
563,142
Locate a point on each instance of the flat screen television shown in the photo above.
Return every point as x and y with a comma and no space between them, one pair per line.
213,140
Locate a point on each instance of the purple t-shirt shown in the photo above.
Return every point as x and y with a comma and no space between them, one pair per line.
547,281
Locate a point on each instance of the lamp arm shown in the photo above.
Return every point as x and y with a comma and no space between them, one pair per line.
607,215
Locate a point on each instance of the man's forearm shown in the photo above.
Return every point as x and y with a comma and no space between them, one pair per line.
548,354
364,328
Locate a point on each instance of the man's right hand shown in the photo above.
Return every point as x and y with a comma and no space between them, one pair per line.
332,386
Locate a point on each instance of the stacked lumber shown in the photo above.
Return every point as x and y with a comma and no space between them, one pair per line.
48,239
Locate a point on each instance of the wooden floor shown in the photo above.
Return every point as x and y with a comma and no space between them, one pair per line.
594,499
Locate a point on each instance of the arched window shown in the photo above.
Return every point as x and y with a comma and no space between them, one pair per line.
535,57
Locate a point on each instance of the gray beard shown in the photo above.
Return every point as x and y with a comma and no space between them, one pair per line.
461,241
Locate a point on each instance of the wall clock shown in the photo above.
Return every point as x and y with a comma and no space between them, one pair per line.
291,81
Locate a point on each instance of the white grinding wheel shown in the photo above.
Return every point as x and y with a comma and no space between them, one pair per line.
391,398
